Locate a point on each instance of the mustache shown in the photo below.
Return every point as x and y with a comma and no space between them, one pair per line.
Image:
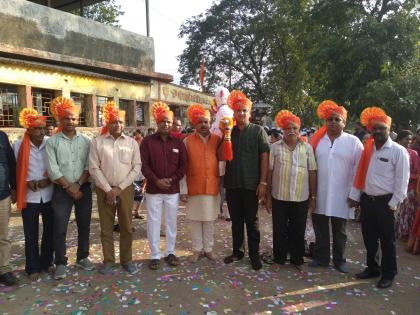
291,134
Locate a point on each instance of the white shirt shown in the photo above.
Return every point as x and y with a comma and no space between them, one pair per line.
37,169
114,162
337,164
388,173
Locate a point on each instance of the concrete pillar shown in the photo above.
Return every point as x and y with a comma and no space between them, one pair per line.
24,96
90,110
132,120
94,107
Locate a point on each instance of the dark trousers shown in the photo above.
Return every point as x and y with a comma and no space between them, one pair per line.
321,225
243,208
378,225
36,261
62,205
289,224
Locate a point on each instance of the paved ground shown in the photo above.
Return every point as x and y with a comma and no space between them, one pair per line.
209,288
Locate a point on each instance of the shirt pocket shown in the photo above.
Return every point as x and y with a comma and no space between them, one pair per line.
384,168
174,156
124,155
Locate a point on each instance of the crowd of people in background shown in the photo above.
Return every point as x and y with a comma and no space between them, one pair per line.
291,171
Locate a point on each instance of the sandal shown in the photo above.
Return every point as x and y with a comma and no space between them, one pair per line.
154,264
267,258
172,260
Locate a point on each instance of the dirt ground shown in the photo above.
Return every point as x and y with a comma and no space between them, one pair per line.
206,287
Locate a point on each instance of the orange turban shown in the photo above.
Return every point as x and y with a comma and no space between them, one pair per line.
197,111
368,118
328,107
28,118
372,115
111,114
324,111
284,118
160,110
62,107
237,98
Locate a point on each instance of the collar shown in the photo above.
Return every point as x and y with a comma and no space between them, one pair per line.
107,135
282,142
157,135
388,144
43,144
62,135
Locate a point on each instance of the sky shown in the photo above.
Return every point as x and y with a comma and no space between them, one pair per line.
166,17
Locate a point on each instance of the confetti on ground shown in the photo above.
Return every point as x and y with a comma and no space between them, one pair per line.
208,287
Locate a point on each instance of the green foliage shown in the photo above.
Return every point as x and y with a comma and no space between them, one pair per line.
106,12
295,53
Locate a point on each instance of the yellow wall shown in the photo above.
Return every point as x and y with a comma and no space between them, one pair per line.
66,82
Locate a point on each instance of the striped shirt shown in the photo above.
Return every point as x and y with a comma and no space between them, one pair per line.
290,176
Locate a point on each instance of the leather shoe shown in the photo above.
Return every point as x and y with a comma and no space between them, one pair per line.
8,279
342,267
317,263
367,274
232,258
384,283
256,264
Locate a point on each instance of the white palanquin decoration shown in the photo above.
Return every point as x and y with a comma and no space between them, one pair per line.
223,110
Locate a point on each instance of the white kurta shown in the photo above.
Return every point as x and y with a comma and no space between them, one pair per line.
337,164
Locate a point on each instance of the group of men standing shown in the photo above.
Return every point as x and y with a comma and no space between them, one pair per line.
329,176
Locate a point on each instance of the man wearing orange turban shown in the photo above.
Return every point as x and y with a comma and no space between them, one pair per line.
337,154
380,185
292,187
164,162
114,164
200,187
245,179
67,163
34,193
327,110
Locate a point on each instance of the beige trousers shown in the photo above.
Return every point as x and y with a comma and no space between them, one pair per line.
5,244
202,236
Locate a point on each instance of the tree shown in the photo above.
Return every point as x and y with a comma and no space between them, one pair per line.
106,12
295,53
233,36
352,45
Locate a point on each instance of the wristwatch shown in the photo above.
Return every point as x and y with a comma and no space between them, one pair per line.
313,197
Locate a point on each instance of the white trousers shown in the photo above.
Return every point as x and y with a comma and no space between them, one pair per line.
156,204
202,236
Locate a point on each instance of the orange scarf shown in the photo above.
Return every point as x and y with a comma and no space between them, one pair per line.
360,179
318,135
22,171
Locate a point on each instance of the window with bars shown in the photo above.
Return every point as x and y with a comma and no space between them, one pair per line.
41,101
100,102
80,100
140,113
9,106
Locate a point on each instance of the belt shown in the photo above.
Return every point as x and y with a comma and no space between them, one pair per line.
377,198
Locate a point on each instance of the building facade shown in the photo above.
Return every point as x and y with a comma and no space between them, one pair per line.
45,53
